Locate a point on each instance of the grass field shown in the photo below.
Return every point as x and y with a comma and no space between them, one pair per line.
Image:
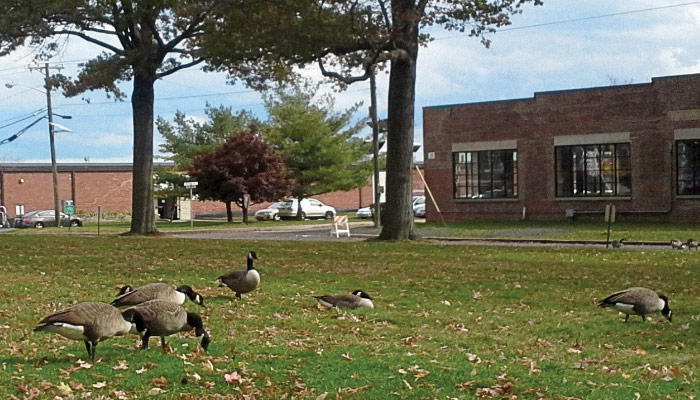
450,322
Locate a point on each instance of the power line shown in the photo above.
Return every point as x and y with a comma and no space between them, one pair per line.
24,118
18,134
566,21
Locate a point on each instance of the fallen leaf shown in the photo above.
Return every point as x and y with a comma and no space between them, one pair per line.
155,391
346,356
160,382
122,365
99,385
572,350
141,370
63,388
640,352
476,295
408,385
445,302
232,377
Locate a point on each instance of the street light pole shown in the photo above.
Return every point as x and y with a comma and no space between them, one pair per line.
54,169
375,149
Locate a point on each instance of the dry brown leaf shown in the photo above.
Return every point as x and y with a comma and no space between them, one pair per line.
122,364
639,351
232,377
346,357
408,385
160,382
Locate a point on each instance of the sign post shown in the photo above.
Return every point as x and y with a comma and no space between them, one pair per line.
609,218
191,185
68,208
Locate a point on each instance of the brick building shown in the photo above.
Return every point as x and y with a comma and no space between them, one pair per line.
569,152
109,186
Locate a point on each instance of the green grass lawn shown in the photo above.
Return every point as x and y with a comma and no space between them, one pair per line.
632,230
450,322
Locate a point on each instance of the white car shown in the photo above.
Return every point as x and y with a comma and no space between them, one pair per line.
272,212
418,202
310,208
364,212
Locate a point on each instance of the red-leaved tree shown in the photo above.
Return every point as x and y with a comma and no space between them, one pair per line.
244,165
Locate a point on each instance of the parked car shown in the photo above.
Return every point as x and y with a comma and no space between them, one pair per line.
364,212
419,210
272,212
310,208
418,201
41,218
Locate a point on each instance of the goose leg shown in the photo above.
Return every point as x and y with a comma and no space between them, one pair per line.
627,316
144,339
88,347
238,295
162,344
644,318
94,347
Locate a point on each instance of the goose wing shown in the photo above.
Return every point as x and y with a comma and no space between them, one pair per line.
142,294
79,314
630,296
339,300
232,278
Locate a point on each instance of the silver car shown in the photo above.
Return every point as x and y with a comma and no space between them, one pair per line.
270,213
41,218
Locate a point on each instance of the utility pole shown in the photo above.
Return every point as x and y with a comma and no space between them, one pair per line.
54,169
375,148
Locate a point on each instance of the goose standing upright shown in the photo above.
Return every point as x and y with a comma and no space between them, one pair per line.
357,299
156,291
243,281
164,318
90,322
638,301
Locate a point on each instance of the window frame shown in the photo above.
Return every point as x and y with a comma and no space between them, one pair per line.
695,166
600,178
473,168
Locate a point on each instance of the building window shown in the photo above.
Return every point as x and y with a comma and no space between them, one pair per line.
485,174
688,164
593,170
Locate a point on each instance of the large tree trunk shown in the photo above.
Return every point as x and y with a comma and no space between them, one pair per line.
244,210
398,219
142,211
229,212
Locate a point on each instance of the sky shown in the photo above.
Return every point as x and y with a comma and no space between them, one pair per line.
564,44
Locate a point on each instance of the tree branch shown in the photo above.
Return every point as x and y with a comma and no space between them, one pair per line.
345,79
90,39
178,68
385,14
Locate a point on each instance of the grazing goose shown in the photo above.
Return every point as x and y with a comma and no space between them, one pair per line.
164,318
678,245
156,291
357,299
692,243
89,322
616,244
638,301
243,281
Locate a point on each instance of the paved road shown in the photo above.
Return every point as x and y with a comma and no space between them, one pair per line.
363,231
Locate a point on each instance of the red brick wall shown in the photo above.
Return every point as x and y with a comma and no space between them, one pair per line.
111,190
642,110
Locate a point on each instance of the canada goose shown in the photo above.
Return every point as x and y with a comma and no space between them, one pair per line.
90,322
156,291
164,318
616,244
638,301
243,281
677,244
692,243
357,299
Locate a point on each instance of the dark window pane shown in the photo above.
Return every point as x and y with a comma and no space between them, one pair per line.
593,170
485,174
